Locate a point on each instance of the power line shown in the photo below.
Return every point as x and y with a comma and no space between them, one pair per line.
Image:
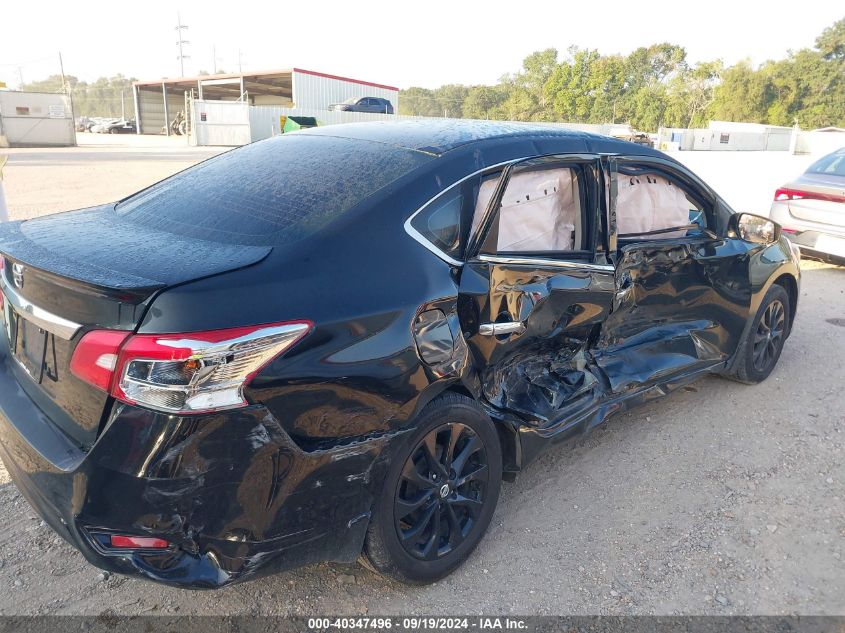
27,63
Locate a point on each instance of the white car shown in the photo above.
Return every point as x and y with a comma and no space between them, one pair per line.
811,209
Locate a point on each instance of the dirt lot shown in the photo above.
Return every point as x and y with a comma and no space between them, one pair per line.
720,499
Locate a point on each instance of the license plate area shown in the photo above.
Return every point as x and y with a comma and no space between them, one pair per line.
29,344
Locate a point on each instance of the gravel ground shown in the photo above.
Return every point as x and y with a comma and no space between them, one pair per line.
720,499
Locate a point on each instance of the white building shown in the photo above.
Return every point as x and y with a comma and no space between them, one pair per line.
727,136
36,119
158,102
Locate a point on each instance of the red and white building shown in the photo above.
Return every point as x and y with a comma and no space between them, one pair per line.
157,102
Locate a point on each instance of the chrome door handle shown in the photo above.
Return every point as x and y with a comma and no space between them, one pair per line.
626,285
499,329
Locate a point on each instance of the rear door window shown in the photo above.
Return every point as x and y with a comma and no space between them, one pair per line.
548,208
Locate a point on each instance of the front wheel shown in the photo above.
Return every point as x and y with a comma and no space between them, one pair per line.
760,350
439,496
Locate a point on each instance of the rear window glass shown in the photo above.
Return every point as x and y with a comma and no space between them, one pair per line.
833,164
273,192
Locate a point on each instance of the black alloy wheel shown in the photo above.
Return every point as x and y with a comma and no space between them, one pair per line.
439,494
769,335
761,346
441,491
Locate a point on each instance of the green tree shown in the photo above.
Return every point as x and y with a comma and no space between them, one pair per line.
483,102
100,98
831,43
450,99
418,102
742,95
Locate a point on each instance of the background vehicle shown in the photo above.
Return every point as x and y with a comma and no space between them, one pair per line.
811,208
115,126
83,124
364,104
627,133
337,342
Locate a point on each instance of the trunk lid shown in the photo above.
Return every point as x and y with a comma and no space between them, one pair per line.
827,212
69,273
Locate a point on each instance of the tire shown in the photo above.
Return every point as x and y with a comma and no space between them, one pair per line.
759,351
443,521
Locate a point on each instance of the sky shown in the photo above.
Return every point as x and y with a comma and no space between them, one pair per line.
424,43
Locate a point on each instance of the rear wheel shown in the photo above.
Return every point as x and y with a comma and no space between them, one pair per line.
759,352
439,496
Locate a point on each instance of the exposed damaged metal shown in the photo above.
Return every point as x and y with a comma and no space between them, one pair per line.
352,361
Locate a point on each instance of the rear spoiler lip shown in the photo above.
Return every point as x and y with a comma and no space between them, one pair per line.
134,294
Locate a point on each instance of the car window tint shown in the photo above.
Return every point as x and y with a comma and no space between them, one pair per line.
273,192
541,211
833,164
649,202
440,222
449,219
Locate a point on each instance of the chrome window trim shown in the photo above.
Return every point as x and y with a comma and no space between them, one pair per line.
53,323
542,261
416,235
420,238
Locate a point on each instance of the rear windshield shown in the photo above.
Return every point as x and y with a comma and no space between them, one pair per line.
833,164
270,193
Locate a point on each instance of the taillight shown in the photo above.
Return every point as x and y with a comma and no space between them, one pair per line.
785,193
182,373
95,357
137,542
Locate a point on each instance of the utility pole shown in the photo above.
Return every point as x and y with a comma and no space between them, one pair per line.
180,42
69,93
20,78
214,55
62,70
240,58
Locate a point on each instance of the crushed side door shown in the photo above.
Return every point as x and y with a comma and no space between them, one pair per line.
529,316
681,300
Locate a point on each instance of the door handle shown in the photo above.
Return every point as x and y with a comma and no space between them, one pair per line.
499,329
626,285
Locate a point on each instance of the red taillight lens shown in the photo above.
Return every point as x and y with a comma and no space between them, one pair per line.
182,373
138,542
95,357
785,193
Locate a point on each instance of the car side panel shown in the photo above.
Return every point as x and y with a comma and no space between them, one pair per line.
682,306
544,371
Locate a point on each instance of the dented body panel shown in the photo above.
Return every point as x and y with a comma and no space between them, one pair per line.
292,478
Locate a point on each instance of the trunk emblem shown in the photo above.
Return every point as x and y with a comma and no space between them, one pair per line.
17,274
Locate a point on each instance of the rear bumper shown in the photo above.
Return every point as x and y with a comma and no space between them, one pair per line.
232,493
812,238
819,244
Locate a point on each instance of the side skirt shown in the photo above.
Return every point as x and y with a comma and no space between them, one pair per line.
535,440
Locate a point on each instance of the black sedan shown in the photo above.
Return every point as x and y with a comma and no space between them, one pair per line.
336,343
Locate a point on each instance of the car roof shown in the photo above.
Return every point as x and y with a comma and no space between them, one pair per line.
438,136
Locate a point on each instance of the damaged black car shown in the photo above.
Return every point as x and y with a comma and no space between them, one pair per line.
335,344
